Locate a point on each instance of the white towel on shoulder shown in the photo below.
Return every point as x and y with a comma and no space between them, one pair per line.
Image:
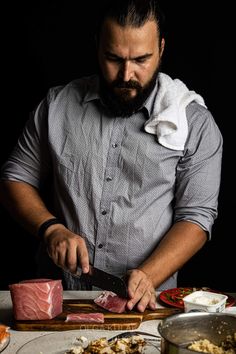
169,121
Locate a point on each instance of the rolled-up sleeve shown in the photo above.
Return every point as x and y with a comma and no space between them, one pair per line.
30,160
199,171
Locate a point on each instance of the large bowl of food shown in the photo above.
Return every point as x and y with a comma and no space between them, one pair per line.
191,332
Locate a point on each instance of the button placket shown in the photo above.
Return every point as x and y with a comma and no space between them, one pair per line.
107,192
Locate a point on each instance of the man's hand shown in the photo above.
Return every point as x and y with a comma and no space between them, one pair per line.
141,291
66,249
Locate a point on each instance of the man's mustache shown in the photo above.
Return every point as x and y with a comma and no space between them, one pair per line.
126,84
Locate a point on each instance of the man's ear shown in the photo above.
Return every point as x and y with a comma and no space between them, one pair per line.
162,46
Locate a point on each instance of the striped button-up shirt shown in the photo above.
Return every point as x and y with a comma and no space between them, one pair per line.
112,182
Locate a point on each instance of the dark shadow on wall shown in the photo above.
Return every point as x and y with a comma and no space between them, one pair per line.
17,256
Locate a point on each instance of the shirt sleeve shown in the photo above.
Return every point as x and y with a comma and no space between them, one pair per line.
198,173
30,159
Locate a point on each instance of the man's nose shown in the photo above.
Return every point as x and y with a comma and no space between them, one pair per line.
126,71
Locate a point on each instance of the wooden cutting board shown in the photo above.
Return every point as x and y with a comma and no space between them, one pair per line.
113,321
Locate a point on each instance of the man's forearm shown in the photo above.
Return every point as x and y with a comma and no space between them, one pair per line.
24,204
182,241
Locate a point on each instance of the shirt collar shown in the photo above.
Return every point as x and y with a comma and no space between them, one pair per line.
93,89
149,104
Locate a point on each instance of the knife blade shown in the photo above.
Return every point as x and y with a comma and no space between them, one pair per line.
105,281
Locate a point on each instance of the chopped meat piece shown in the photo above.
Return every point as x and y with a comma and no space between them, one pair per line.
36,299
111,302
91,317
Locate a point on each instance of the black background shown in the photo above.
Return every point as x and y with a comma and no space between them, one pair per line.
49,43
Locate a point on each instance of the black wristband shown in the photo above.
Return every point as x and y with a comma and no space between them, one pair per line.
43,227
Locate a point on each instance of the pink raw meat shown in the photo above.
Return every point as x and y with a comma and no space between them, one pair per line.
94,317
36,299
111,302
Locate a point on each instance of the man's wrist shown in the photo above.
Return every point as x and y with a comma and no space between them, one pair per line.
46,224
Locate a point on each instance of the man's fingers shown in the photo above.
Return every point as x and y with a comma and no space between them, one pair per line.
141,291
83,258
134,278
148,300
70,261
68,251
137,289
142,300
60,258
153,302
77,255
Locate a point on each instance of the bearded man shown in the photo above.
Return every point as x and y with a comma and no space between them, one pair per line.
134,162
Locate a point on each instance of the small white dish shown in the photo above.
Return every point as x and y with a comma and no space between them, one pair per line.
205,301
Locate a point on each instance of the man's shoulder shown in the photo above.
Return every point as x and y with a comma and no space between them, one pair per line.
201,121
80,87
83,83
197,114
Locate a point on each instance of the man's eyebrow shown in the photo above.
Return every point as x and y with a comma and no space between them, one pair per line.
140,57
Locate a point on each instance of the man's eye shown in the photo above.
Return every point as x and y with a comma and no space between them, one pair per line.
140,60
114,59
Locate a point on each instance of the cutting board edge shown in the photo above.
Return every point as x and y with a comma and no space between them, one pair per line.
77,326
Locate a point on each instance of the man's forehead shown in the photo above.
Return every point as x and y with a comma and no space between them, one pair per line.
115,37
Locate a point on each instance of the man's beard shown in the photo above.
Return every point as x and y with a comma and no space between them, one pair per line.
122,105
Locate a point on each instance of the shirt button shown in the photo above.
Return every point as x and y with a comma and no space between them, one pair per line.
100,245
109,179
114,145
104,212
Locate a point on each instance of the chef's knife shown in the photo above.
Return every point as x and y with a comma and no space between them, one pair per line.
105,281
